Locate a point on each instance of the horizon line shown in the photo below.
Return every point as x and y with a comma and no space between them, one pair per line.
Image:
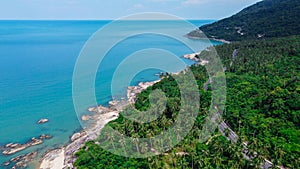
12,19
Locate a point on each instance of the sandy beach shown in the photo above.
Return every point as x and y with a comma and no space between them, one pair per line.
54,159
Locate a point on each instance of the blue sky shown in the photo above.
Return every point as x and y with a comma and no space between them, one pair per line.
113,9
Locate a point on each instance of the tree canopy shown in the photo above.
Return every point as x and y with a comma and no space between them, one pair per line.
262,107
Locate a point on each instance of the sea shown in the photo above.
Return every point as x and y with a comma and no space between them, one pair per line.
37,60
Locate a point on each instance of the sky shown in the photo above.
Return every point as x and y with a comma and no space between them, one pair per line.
114,9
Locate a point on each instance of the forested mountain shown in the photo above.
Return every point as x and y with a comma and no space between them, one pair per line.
265,19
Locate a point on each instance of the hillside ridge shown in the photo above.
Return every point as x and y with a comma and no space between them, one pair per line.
265,19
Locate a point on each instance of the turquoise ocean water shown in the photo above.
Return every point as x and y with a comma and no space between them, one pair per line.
37,59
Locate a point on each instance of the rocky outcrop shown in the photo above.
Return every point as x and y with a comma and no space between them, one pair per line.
98,109
133,91
41,121
13,148
194,57
44,136
86,118
76,136
21,161
113,103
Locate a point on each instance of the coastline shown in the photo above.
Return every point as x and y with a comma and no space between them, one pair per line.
215,39
193,56
64,157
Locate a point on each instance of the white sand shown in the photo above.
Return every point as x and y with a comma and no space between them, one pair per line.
54,160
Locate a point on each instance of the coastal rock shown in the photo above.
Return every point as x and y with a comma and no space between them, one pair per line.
192,56
12,145
21,161
144,85
86,117
99,109
13,148
92,109
6,163
133,91
77,136
35,141
44,136
8,145
113,103
41,121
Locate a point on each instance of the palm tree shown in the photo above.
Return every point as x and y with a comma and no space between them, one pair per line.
164,121
135,140
227,132
110,137
128,127
123,143
144,147
149,135
217,161
178,131
173,157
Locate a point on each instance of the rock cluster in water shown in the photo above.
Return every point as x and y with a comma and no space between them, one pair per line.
13,148
21,161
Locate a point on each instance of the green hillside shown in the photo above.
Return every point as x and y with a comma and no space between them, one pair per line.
262,108
265,19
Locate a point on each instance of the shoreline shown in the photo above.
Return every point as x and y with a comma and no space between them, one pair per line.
193,56
102,116
215,39
63,157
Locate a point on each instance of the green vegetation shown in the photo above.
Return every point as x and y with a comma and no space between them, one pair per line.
262,107
263,97
265,19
